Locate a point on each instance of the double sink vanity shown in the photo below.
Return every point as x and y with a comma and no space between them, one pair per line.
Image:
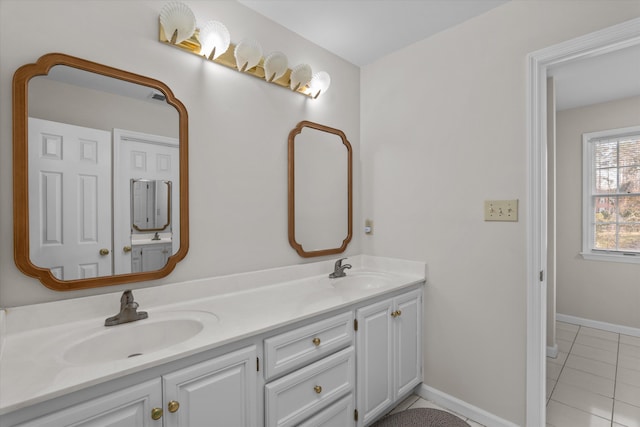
289,346
280,347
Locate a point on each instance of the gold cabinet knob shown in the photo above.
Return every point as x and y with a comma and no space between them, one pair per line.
126,249
173,406
396,313
316,341
156,413
104,251
399,313
317,389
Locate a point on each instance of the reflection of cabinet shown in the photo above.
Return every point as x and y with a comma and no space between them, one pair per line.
149,257
223,387
388,345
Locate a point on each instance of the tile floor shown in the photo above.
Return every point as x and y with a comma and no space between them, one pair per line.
415,401
595,380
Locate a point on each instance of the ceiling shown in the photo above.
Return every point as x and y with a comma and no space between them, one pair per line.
362,31
602,78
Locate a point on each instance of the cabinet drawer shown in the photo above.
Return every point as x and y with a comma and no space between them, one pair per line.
292,350
291,399
340,414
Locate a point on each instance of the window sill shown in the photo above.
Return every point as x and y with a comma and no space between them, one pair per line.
610,257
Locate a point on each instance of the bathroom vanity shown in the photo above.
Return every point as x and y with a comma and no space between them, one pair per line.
279,347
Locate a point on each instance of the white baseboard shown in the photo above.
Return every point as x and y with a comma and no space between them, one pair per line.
463,408
611,327
552,351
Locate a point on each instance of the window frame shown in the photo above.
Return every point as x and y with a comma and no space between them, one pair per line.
588,208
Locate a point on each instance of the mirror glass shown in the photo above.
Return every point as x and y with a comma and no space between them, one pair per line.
320,186
150,205
100,174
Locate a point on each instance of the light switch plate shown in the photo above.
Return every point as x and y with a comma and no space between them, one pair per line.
501,210
368,226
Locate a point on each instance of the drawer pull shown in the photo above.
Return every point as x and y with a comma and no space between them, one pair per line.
316,341
156,414
317,389
173,406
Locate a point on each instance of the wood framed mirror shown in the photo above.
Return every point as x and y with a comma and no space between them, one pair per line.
81,132
320,190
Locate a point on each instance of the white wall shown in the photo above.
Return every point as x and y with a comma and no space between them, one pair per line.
444,128
595,290
238,126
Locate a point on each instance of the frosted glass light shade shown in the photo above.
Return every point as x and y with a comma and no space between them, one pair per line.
275,65
319,83
248,54
214,39
300,75
178,22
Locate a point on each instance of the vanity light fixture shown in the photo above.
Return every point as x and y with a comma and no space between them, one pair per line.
178,21
248,54
214,39
275,65
213,42
319,84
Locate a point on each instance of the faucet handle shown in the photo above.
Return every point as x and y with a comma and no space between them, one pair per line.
339,262
127,297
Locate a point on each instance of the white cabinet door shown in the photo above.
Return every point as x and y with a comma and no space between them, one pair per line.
374,353
218,392
408,342
389,353
130,407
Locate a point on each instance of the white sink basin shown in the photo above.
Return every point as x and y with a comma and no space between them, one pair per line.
159,331
362,281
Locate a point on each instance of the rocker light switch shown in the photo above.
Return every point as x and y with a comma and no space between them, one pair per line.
501,210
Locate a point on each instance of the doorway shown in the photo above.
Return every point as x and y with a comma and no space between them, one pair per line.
608,40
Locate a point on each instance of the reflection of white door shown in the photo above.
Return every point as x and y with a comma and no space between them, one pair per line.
69,199
142,156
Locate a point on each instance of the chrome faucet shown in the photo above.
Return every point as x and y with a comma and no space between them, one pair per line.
128,311
338,269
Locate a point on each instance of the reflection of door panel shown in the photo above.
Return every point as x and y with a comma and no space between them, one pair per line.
69,199
142,156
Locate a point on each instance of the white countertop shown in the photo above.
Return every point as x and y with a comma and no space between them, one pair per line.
33,338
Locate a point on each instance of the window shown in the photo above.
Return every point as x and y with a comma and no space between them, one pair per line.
611,195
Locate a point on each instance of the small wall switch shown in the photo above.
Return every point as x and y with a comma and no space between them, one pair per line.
368,226
501,210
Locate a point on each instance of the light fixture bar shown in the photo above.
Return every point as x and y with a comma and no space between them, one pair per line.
192,45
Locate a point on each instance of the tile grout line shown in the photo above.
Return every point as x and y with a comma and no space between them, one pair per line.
565,362
615,382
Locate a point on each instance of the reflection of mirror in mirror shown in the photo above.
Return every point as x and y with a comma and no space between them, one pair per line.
150,205
321,181
71,117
